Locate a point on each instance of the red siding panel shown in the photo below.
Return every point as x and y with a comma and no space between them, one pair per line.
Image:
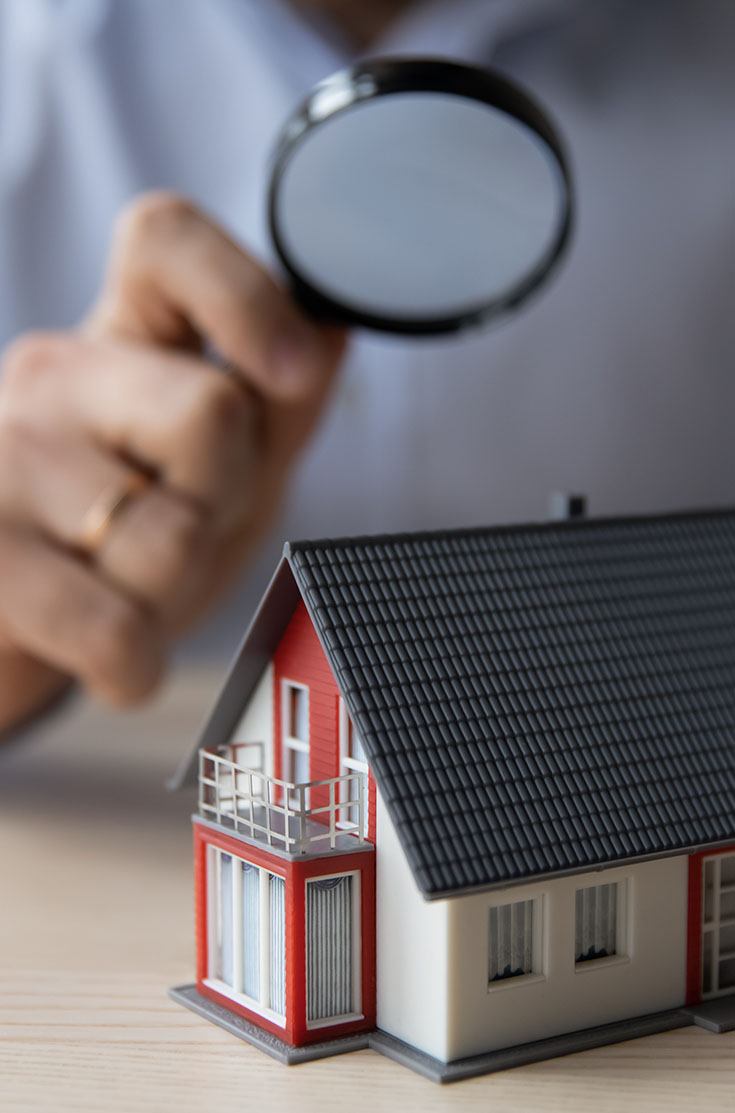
200,903
300,658
296,983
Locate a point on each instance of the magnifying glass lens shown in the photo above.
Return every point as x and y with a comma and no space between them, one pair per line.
419,210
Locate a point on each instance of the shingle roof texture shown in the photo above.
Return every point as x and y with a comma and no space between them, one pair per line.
538,699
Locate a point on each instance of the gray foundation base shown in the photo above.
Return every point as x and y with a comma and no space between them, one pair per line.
189,996
525,1053
717,1015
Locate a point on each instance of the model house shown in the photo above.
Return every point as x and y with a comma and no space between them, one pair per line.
469,797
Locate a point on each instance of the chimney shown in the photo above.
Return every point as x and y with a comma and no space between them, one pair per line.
563,506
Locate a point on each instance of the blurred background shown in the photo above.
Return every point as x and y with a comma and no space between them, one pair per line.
617,380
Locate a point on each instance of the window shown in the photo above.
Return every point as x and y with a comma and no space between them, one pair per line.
251,931
718,925
223,964
295,738
512,942
246,932
596,922
352,759
332,948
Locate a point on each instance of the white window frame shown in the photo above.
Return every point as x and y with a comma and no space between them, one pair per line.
290,742
356,1014
349,764
622,943
711,927
538,933
213,911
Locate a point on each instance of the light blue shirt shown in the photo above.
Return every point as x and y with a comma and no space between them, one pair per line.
618,380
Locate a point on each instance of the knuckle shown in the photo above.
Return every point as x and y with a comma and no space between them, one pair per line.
219,413
157,214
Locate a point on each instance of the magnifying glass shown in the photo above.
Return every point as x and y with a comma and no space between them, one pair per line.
416,195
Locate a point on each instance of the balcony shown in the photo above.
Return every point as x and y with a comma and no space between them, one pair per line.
308,818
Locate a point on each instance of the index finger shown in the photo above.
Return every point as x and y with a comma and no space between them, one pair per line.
175,277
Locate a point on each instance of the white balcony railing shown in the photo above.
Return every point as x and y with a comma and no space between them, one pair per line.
297,818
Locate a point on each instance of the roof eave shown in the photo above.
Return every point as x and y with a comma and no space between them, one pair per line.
575,871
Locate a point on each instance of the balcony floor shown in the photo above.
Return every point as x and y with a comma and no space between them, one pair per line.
298,828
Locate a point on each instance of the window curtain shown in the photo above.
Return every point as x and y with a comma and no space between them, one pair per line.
277,987
329,963
510,951
225,919
595,921
251,931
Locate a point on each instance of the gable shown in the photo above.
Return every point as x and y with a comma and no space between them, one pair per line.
252,658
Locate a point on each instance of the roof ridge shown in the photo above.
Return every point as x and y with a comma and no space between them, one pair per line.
548,525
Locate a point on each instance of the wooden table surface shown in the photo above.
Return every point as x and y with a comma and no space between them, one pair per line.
96,923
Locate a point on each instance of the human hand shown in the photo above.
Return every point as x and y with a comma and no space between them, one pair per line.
136,475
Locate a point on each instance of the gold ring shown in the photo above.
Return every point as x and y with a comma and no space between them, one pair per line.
106,507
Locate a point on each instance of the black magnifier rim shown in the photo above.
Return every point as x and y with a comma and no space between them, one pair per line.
384,76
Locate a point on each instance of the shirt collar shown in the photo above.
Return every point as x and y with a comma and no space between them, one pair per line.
309,50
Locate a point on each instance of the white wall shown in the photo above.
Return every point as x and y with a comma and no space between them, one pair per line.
411,950
256,723
650,976
432,957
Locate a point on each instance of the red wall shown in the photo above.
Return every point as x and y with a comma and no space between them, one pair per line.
300,658
295,873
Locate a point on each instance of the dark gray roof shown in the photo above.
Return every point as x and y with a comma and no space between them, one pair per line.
538,699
